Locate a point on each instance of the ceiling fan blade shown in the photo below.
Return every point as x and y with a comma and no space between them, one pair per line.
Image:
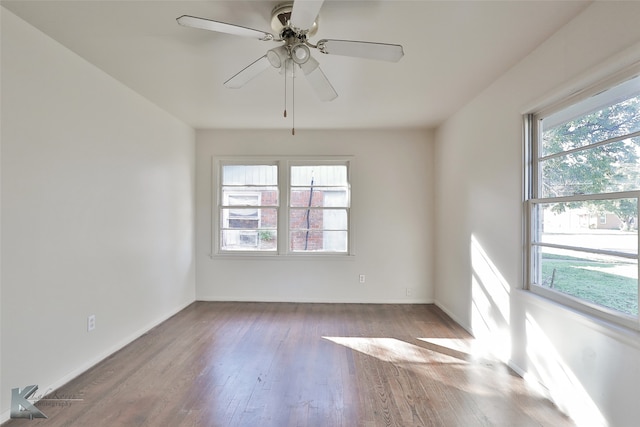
221,27
305,12
369,50
247,73
318,80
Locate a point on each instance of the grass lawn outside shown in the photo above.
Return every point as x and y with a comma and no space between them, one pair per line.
609,284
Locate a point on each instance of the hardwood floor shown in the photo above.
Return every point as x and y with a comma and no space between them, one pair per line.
288,364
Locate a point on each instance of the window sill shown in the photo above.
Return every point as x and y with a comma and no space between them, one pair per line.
282,257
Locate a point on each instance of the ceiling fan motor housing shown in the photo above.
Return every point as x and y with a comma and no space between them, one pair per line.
295,39
281,22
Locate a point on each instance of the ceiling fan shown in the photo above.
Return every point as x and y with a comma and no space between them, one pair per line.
294,22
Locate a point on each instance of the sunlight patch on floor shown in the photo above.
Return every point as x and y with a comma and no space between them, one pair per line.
392,350
463,348
454,353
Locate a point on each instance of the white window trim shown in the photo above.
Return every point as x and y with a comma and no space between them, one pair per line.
531,177
284,164
217,203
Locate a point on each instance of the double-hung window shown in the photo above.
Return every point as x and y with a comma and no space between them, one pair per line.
583,192
283,206
318,208
248,209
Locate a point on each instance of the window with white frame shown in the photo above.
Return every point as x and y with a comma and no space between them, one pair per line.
248,209
583,192
319,208
317,200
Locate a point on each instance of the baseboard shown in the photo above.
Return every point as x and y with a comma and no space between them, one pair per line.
454,317
532,380
6,416
318,300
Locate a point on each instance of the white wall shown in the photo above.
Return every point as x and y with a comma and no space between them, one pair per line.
97,212
592,372
392,216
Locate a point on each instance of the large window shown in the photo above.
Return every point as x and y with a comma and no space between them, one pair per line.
584,189
283,206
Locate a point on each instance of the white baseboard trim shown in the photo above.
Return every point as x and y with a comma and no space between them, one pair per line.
318,300
6,416
533,381
454,317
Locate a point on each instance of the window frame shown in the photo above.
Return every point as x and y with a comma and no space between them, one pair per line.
284,164
532,178
220,205
291,208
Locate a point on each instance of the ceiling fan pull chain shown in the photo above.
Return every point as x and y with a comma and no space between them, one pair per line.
293,99
285,93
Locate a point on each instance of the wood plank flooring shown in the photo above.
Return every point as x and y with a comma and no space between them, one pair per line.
289,364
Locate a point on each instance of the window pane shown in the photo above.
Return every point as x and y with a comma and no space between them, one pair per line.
249,175
249,218
249,240
242,218
318,219
609,225
319,241
322,175
319,197
250,196
607,281
609,114
606,168
236,199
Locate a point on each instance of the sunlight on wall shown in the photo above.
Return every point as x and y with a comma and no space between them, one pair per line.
490,311
564,387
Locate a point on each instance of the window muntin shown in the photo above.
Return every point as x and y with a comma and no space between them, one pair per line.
583,210
317,197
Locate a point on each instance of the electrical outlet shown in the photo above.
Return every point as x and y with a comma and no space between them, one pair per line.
91,323
409,292
362,278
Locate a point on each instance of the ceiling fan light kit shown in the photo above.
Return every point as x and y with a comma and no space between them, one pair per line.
277,56
294,23
300,53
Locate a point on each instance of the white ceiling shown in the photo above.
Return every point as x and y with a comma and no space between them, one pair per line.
453,50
